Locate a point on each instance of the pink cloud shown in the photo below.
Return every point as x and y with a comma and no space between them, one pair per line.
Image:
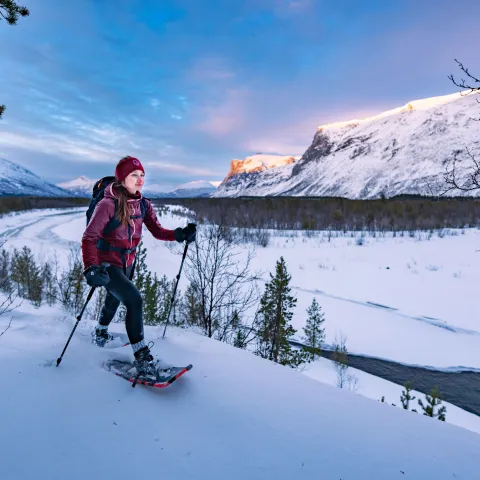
228,115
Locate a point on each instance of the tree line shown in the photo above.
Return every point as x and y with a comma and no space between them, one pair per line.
331,213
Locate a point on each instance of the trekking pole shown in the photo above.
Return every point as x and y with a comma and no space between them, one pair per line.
79,317
175,288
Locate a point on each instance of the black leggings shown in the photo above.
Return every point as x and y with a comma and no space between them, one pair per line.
121,289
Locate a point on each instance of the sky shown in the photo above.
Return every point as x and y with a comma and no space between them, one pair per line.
189,85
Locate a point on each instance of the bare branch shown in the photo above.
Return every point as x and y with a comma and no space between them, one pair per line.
6,305
472,181
8,326
223,283
463,83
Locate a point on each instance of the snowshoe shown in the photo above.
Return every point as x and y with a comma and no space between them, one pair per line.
163,376
144,363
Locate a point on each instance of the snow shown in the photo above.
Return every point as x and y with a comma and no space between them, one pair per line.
375,388
79,182
197,184
427,285
235,415
83,186
262,161
413,293
17,180
421,104
401,151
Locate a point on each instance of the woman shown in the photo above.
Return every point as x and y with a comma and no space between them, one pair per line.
117,248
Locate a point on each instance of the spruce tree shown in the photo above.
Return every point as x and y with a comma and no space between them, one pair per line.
274,316
141,270
5,280
151,300
10,11
406,397
71,285
192,306
49,284
144,283
239,334
25,273
433,400
314,331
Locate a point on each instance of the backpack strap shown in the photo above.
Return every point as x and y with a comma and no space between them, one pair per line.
143,209
104,246
113,223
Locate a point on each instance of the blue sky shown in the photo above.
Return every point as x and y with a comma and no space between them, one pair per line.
189,85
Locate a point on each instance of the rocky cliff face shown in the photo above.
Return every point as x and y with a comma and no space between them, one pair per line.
400,151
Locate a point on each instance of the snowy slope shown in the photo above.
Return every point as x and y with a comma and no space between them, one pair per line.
17,180
232,416
200,188
424,283
390,153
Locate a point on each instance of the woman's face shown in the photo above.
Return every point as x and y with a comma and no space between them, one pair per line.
134,181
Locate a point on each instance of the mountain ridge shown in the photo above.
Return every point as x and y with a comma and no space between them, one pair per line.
400,151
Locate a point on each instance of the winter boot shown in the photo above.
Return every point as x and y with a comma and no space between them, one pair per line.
144,363
101,336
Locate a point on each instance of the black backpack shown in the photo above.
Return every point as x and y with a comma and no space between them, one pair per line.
102,244
98,193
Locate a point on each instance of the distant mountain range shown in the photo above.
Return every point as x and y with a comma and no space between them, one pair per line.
400,151
16,180
82,187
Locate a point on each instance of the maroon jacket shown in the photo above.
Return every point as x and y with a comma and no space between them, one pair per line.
119,237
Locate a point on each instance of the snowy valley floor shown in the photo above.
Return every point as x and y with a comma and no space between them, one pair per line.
403,299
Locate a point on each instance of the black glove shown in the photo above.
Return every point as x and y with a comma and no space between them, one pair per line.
97,276
188,233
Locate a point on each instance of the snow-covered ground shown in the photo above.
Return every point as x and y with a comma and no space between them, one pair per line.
428,285
234,415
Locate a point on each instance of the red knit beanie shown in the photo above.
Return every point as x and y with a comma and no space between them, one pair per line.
126,166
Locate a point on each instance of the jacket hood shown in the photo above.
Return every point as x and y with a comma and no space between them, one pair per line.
111,192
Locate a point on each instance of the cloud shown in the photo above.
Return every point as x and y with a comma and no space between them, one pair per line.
55,144
177,168
191,85
227,116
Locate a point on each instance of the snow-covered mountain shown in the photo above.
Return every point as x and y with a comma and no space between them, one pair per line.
200,188
19,181
400,151
81,186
